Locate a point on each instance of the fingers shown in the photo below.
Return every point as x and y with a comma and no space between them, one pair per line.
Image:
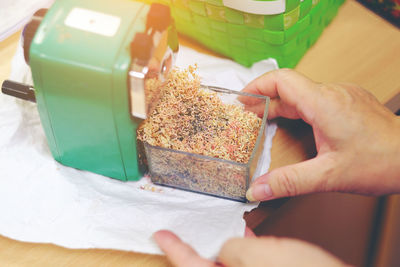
258,109
255,252
272,251
276,108
278,82
240,252
294,92
302,178
179,253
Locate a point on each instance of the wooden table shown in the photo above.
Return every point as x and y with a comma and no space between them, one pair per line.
357,47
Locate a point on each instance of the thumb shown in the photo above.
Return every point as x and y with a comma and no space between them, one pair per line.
302,178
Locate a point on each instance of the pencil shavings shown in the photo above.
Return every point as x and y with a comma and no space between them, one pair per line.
192,119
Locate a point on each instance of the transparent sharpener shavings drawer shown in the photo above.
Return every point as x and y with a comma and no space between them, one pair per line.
204,174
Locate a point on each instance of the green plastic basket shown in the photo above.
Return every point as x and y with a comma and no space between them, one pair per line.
247,37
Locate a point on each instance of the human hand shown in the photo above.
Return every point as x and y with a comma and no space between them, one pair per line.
252,252
357,138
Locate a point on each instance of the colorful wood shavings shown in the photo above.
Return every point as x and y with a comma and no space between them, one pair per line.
191,119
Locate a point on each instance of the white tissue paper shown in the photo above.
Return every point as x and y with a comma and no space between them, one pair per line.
44,201
15,14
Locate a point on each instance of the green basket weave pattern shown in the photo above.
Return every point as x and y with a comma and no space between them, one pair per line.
248,38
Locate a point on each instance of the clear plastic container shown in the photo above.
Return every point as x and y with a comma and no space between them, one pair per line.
203,174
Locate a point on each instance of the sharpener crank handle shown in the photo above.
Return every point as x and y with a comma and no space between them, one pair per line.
19,90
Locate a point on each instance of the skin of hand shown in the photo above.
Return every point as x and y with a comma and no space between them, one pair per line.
357,138
250,251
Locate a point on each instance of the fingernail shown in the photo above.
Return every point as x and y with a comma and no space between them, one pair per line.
259,192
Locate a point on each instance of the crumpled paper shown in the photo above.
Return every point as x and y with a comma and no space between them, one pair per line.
44,201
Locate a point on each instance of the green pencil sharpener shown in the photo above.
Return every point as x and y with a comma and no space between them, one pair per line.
90,61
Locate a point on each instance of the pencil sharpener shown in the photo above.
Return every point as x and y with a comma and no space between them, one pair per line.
90,61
